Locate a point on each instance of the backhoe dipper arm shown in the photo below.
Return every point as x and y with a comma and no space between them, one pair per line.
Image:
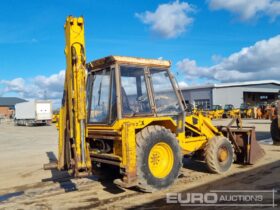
73,150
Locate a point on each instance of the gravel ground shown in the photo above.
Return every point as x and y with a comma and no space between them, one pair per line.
25,185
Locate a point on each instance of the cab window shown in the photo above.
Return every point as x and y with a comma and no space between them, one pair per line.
165,97
134,91
100,97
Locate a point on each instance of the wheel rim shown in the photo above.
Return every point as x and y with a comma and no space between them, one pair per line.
223,154
161,160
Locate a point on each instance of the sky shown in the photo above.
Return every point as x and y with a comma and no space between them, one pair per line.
208,41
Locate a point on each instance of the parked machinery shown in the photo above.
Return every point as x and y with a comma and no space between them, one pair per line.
246,111
269,111
275,125
231,112
129,114
199,109
55,117
216,112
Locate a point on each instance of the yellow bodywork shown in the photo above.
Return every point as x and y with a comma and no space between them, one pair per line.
55,118
249,112
72,121
234,113
125,146
197,111
215,114
75,134
121,139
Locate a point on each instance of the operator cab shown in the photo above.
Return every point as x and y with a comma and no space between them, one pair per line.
124,87
228,107
216,107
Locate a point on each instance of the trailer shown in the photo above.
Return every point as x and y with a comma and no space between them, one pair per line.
34,112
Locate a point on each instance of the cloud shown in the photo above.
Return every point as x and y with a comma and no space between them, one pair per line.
168,20
52,83
248,9
191,70
257,62
15,85
183,84
39,87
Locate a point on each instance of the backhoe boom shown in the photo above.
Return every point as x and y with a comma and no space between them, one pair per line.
73,150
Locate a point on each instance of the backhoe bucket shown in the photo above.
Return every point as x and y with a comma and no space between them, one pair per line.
246,147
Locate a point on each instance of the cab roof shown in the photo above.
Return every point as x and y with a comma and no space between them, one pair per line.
99,63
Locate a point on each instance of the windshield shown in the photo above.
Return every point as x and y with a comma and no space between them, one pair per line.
216,107
228,107
166,99
134,91
243,106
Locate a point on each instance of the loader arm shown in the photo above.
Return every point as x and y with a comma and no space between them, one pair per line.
201,125
73,151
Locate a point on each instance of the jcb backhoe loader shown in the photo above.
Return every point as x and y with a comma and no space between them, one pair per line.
230,111
246,111
128,112
216,112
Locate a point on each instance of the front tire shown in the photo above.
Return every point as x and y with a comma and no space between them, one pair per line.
159,158
219,154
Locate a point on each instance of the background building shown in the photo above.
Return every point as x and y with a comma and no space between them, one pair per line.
7,106
253,92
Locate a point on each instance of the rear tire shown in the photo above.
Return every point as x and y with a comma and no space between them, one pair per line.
219,154
159,158
275,132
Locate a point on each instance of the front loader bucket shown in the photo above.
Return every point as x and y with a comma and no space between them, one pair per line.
246,147
256,152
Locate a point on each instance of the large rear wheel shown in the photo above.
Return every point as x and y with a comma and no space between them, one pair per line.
159,158
275,132
219,154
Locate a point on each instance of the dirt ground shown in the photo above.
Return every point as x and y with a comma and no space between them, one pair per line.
25,185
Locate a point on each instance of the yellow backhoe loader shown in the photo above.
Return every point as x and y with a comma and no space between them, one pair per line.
231,112
246,111
216,112
128,112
